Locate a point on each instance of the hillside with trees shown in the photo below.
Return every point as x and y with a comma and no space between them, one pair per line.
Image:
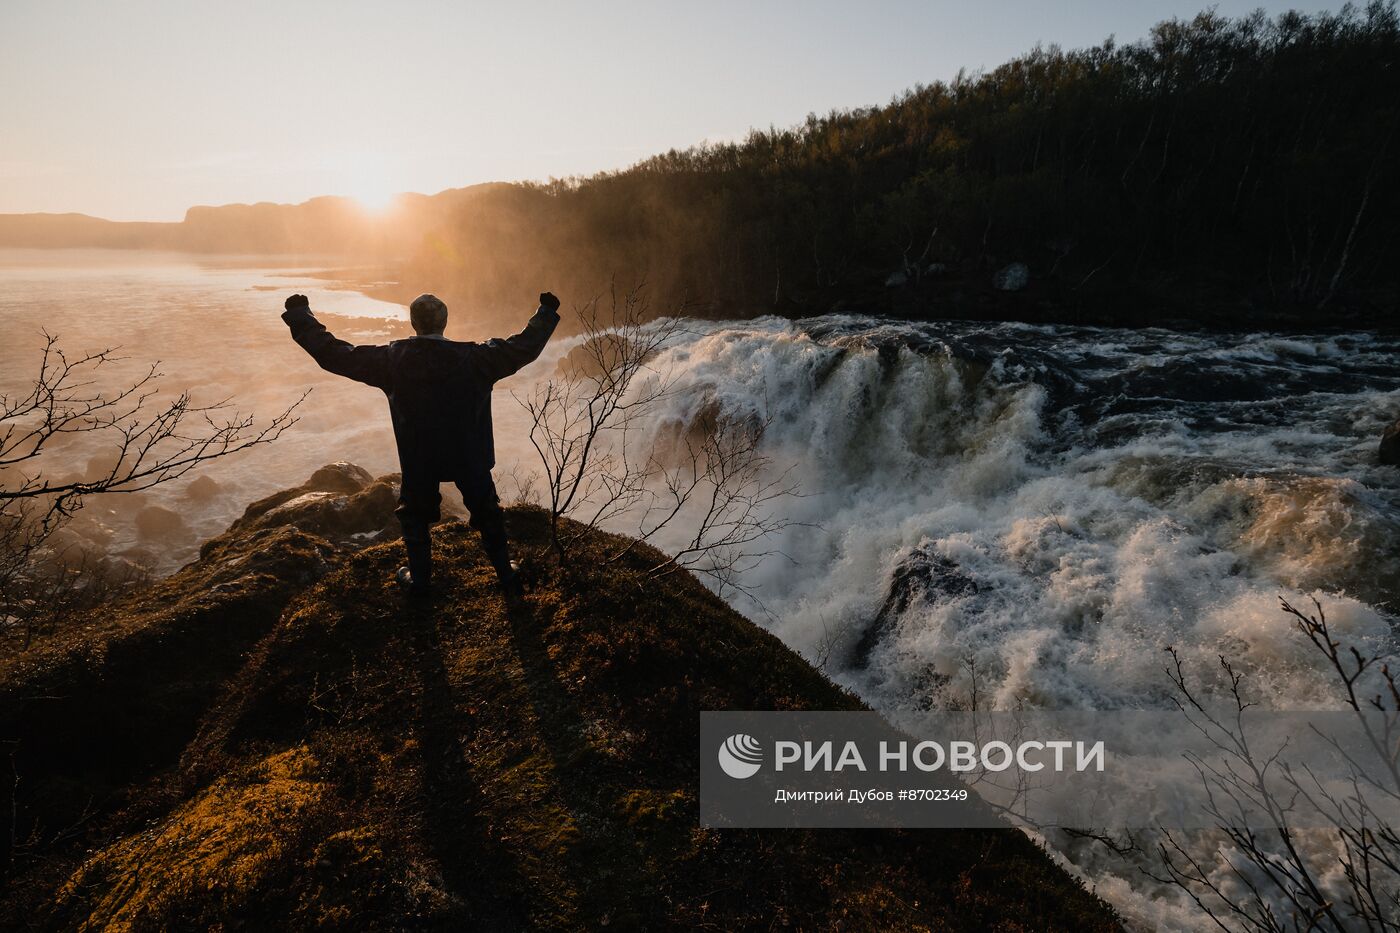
1229,171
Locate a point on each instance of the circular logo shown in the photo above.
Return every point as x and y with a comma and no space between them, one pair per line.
740,756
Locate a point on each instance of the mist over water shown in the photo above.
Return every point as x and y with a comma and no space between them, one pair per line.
1055,504
214,324
1086,497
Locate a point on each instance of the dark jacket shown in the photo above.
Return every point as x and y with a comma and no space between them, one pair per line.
439,390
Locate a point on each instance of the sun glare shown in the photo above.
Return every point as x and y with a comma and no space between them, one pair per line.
374,200
367,177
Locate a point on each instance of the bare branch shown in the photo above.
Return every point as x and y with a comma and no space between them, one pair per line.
152,442
709,477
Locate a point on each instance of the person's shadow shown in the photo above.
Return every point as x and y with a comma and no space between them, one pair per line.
601,865
477,871
613,878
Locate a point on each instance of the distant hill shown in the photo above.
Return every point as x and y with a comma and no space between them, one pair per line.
274,738
325,225
59,231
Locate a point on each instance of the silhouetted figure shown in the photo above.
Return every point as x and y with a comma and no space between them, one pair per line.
440,401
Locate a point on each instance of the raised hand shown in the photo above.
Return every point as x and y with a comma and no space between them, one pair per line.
547,300
296,302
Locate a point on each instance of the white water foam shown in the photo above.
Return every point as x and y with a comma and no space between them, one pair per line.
1087,557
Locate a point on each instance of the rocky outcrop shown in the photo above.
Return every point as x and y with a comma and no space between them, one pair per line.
340,502
125,685
343,478
339,477
364,517
115,696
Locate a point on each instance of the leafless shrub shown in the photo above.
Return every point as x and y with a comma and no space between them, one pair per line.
517,486
602,389
1346,877
711,479
1007,792
720,492
152,441
825,646
1254,869
62,584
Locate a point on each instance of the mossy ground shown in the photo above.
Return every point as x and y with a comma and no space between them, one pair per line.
462,764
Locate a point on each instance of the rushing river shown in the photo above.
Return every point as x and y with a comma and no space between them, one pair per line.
1080,497
1061,502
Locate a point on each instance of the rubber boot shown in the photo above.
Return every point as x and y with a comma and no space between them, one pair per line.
509,580
417,577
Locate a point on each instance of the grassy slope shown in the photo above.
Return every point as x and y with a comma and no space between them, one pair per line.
378,764
89,712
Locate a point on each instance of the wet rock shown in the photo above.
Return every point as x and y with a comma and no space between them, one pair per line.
339,477
124,572
921,576
121,504
936,269
1390,445
1012,278
156,522
202,489
101,466
66,549
91,528
328,506
367,515
896,278
140,556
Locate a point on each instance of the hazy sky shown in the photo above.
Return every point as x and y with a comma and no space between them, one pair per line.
138,109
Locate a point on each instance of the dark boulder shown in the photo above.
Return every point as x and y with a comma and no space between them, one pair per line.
1390,445
338,478
356,519
91,528
156,522
921,576
202,489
